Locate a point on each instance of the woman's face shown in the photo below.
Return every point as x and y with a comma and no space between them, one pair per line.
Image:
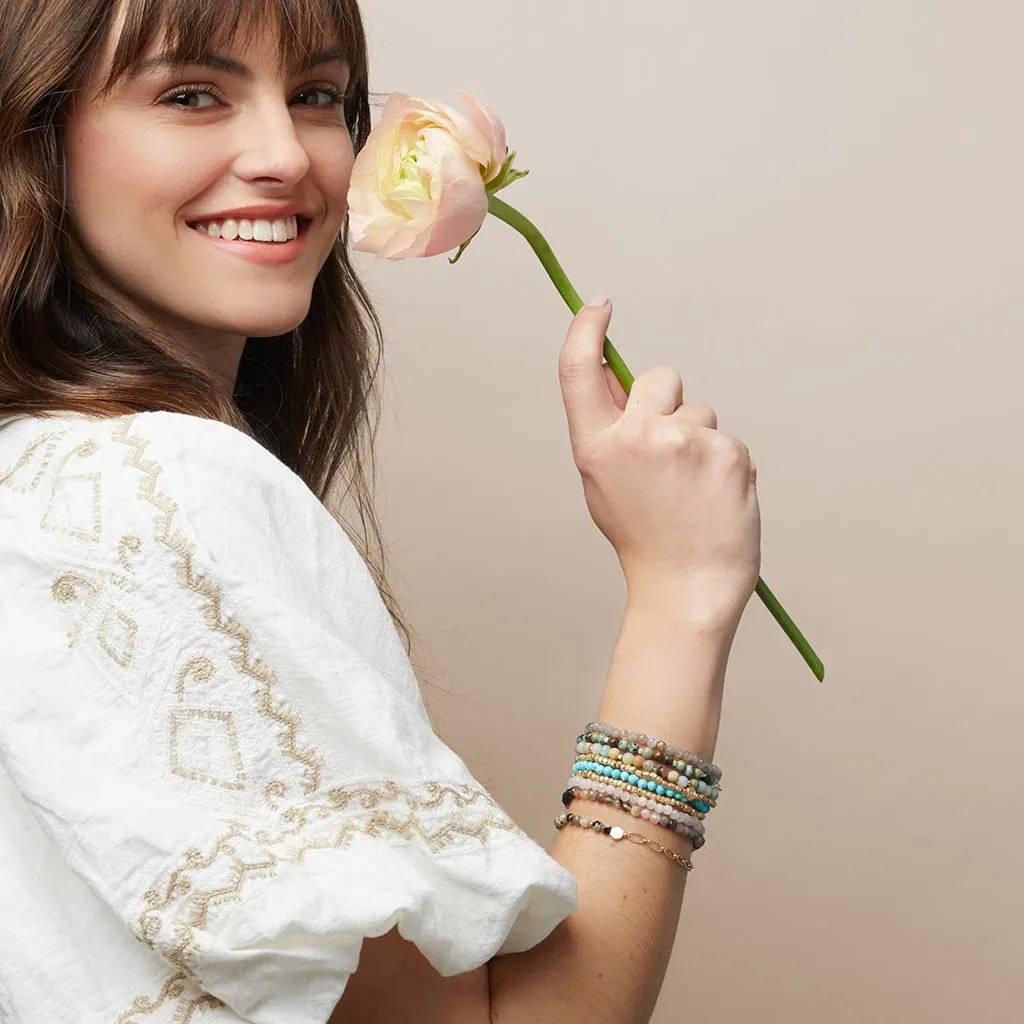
175,155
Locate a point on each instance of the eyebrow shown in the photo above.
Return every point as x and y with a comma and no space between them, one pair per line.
233,67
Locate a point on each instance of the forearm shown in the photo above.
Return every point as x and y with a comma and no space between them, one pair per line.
606,962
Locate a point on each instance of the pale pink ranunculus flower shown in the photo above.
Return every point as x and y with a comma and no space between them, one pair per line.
418,186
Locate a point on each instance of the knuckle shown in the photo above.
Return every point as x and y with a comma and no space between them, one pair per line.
703,414
666,375
679,437
634,435
731,449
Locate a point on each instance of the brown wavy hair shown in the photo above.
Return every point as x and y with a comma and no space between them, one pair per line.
310,396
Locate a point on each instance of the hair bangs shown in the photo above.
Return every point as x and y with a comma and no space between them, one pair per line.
188,29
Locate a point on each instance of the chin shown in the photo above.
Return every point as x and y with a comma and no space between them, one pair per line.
268,325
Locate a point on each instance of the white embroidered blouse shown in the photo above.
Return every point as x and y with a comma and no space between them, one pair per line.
216,772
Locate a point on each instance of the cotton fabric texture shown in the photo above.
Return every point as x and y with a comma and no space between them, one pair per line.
217,775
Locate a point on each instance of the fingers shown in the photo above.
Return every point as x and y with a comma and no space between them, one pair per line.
589,405
657,391
615,389
696,412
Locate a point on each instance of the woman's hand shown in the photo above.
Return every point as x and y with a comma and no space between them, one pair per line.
674,495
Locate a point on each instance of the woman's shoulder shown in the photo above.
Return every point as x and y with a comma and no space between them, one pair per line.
142,440
74,473
135,490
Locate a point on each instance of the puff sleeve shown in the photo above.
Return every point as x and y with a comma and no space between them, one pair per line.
213,734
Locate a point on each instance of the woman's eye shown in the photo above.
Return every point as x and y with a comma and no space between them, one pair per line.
323,97
186,97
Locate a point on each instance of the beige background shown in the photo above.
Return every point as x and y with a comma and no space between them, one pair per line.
813,210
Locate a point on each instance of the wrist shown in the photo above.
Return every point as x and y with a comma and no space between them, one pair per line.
705,605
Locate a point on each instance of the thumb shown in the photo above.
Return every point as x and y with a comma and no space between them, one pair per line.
589,405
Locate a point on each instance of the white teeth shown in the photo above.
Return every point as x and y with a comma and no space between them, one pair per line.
281,230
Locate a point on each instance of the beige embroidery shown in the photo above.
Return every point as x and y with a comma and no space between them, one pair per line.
179,987
204,747
128,545
183,902
200,669
267,704
117,635
203,742
64,590
64,511
240,868
48,443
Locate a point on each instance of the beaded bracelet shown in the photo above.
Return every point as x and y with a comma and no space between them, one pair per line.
662,821
653,749
676,805
679,805
651,784
659,748
688,793
666,808
617,833
665,768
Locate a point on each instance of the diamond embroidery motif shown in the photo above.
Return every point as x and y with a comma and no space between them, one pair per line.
24,476
204,747
117,636
74,507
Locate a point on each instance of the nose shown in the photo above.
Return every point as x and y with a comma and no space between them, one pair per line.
270,151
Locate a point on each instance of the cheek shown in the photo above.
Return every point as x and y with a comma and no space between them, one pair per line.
331,159
124,190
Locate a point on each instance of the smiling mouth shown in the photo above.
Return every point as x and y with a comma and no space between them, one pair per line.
259,230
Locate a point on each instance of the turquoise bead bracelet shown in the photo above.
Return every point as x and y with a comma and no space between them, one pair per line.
650,758
676,805
636,780
685,787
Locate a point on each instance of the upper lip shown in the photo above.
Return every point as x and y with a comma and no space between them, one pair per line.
265,211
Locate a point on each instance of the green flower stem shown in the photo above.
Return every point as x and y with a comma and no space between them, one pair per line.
529,231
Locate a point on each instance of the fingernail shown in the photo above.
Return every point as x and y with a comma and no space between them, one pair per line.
600,301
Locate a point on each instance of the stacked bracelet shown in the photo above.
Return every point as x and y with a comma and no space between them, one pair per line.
643,782
663,762
656,750
674,821
679,805
647,779
616,832
684,788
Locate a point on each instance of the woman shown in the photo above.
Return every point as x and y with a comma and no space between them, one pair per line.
219,789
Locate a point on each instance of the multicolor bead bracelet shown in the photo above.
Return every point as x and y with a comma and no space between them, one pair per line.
617,832
691,828
679,805
654,749
647,779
